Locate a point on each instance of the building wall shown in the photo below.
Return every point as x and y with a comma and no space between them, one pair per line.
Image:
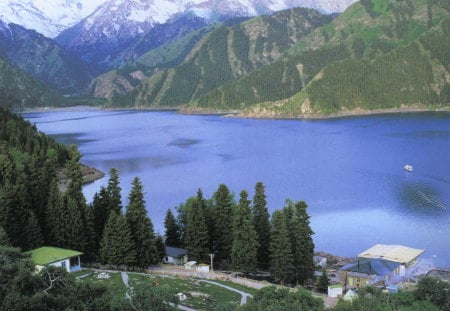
175,260
62,263
353,281
66,264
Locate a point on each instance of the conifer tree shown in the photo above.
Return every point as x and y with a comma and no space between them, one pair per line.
55,217
172,233
160,248
117,245
197,239
74,237
33,232
75,190
182,212
92,244
223,229
262,225
281,257
245,244
141,227
300,234
113,188
323,282
100,205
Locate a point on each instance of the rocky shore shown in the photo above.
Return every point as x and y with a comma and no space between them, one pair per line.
90,174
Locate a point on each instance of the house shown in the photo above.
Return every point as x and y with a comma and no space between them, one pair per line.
407,257
175,256
363,272
57,257
381,265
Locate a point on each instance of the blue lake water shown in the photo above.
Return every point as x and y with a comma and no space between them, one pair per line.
348,170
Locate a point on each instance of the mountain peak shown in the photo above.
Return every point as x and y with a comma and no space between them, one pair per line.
52,17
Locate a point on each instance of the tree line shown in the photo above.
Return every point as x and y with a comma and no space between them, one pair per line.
241,236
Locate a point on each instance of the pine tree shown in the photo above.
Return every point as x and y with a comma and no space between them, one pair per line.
75,190
117,245
92,244
281,257
197,239
100,205
172,230
323,282
33,232
245,244
223,229
55,217
262,225
74,237
301,239
182,212
113,188
141,227
160,248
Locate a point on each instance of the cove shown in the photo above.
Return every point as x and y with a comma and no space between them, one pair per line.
348,170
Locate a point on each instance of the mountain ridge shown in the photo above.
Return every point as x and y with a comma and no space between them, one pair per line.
42,58
224,54
336,53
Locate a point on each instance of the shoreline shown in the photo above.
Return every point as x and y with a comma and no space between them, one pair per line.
243,115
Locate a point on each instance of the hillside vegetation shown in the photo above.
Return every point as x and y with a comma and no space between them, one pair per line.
19,90
45,60
377,54
225,54
122,80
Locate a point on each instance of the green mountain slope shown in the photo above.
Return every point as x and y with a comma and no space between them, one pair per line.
225,54
377,54
45,60
19,90
120,81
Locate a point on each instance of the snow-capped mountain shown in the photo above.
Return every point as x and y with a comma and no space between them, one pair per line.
48,17
51,17
116,24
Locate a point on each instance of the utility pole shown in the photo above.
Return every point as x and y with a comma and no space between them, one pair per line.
212,259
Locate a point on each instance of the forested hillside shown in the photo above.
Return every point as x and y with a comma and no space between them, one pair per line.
225,54
45,60
29,162
18,89
122,80
377,54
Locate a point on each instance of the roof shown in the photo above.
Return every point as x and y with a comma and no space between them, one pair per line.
175,251
46,255
396,253
371,266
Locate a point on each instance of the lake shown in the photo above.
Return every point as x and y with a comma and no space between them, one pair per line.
348,170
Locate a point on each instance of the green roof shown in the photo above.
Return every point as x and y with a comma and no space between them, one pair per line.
46,255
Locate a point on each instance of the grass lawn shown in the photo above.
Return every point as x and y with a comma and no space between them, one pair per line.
240,287
200,295
114,283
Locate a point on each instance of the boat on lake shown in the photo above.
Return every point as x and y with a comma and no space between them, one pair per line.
408,168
